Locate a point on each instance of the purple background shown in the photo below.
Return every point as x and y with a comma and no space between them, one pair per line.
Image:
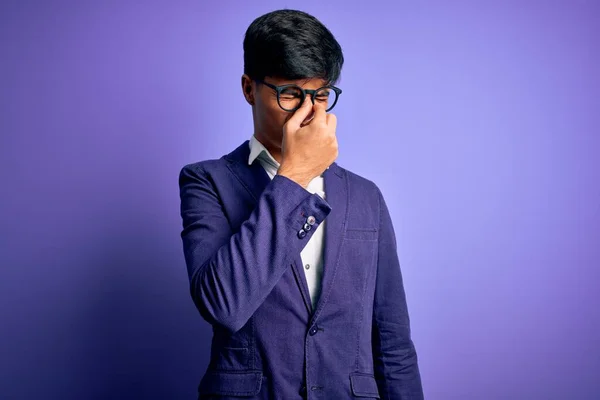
478,120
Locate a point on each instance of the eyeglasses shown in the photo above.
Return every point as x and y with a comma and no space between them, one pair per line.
290,97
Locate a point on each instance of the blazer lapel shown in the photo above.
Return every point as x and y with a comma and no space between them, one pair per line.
301,280
336,194
252,177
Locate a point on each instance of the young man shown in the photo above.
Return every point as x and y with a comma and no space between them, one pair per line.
292,258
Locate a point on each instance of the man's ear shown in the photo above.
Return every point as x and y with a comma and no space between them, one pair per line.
248,89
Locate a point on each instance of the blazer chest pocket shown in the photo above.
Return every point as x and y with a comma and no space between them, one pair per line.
360,234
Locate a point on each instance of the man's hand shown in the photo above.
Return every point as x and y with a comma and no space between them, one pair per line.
308,149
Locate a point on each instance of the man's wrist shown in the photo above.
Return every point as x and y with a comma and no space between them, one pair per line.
294,177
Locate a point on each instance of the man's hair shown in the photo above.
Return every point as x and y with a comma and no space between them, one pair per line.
291,44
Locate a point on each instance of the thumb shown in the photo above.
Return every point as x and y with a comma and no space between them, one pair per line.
300,114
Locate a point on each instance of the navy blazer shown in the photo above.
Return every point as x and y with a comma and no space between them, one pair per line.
242,249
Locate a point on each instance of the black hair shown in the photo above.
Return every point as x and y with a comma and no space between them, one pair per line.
291,44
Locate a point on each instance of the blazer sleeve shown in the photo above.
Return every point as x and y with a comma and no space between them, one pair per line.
232,273
394,355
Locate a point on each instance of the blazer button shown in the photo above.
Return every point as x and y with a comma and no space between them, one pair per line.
307,227
311,220
313,331
301,233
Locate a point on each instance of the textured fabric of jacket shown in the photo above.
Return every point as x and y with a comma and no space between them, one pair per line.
242,249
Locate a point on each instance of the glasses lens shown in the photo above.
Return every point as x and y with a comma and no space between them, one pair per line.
327,97
290,98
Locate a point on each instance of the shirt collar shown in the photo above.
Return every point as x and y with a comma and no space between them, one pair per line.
257,149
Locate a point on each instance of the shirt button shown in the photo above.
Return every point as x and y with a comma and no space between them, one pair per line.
301,233
307,266
311,220
307,227
313,331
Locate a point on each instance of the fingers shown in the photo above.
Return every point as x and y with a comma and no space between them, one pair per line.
332,121
320,114
300,114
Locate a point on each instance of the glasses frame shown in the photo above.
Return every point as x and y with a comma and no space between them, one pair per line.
312,92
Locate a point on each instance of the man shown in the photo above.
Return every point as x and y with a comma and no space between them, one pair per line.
292,258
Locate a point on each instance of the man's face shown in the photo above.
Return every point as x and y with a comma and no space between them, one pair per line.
269,117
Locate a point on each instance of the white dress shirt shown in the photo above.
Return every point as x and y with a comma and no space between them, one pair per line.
312,254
